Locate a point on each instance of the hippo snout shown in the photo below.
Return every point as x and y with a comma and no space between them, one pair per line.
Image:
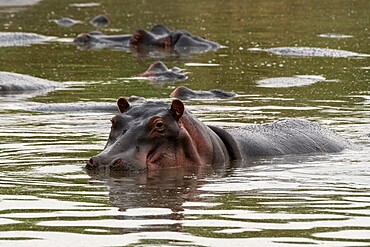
96,162
117,164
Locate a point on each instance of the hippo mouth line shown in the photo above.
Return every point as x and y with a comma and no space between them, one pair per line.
116,164
152,157
120,164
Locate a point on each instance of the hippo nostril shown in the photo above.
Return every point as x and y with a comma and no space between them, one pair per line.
90,164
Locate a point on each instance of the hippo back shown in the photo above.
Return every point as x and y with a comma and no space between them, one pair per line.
287,136
13,82
8,39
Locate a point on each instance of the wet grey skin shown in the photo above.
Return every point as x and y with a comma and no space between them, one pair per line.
155,135
185,93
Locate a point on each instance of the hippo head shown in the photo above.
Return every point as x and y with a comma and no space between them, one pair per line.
146,38
153,136
142,37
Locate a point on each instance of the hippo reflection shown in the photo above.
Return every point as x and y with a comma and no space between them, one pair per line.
158,37
166,188
155,135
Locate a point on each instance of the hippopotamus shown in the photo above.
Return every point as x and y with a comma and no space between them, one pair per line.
155,135
310,52
22,39
185,93
162,36
158,71
158,37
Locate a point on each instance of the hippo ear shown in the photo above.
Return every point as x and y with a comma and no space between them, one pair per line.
123,105
177,109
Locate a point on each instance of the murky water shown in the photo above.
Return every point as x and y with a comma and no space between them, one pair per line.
48,199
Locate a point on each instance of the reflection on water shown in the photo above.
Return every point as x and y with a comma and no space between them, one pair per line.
48,199
46,194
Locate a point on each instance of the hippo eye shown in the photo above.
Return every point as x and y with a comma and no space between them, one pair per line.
157,124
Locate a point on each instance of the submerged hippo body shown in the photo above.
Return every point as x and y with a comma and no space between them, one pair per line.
310,52
8,39
18,83
154,135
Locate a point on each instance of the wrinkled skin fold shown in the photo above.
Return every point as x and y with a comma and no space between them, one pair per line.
155,135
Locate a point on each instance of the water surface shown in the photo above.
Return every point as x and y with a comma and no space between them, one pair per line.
48,199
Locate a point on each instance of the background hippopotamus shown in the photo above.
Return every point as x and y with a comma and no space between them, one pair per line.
162,36
185,93
158,71
158,37
155,135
